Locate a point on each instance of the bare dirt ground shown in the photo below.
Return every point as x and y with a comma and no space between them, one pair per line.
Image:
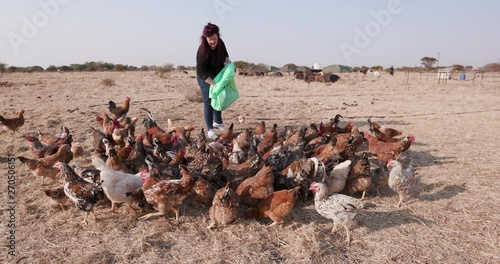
454,216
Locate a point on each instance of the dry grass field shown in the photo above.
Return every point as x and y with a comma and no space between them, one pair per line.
453,217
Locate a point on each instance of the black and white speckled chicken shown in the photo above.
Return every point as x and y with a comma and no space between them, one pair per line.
401,180
338,207
84,194
302,173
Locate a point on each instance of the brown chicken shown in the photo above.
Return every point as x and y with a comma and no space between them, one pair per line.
295,138
77,150
260,129
38,149
384,129
119,111
57,196
168,195
227,136
276,206
386,151
224,209
254,189
268,140
14,123
359,176
154,131
52,139
115,163
235,174
44,167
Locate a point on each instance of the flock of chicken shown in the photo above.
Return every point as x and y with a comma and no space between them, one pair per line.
257,172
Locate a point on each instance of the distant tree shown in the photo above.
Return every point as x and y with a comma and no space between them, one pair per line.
428,62
241,64
181,68
3,67
35,68
291,65
132,68
458,67
120,67
90,66
65,68
51,68
164,70
377,68
77,67
356,69
12,69
468,68
168,66
144,68
495,67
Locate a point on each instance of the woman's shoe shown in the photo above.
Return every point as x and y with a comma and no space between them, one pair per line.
220,127
212,134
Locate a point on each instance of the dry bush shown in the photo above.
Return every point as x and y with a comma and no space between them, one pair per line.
193,94
108,82
165,70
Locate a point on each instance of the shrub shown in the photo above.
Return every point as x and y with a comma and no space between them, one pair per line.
108,82
193,94
165,70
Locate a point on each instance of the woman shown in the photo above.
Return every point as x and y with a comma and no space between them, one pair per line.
211,58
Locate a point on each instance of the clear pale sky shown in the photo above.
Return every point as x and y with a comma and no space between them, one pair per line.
61,32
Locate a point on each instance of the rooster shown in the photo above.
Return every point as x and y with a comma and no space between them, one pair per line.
13,123
84,194
401,180
224,209
119,111
337,207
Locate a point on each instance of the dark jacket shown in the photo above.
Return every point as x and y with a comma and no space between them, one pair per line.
211,65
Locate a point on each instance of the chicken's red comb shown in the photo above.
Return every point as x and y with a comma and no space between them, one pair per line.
29,138
411,138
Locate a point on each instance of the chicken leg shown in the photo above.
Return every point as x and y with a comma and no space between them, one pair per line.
176,210
401,198
335,227
85,218
161,211
273,223
363,196
348,235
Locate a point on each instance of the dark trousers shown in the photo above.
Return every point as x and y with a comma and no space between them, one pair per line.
209,113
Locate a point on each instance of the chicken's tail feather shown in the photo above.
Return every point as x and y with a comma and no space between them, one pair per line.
252,213
369,205
150,115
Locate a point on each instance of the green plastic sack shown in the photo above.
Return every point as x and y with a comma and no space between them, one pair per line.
224,92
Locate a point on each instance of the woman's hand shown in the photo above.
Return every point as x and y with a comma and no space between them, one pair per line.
227,61
210,81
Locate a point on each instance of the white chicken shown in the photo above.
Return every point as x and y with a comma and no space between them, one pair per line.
401,180
338,177
338,207
116,183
